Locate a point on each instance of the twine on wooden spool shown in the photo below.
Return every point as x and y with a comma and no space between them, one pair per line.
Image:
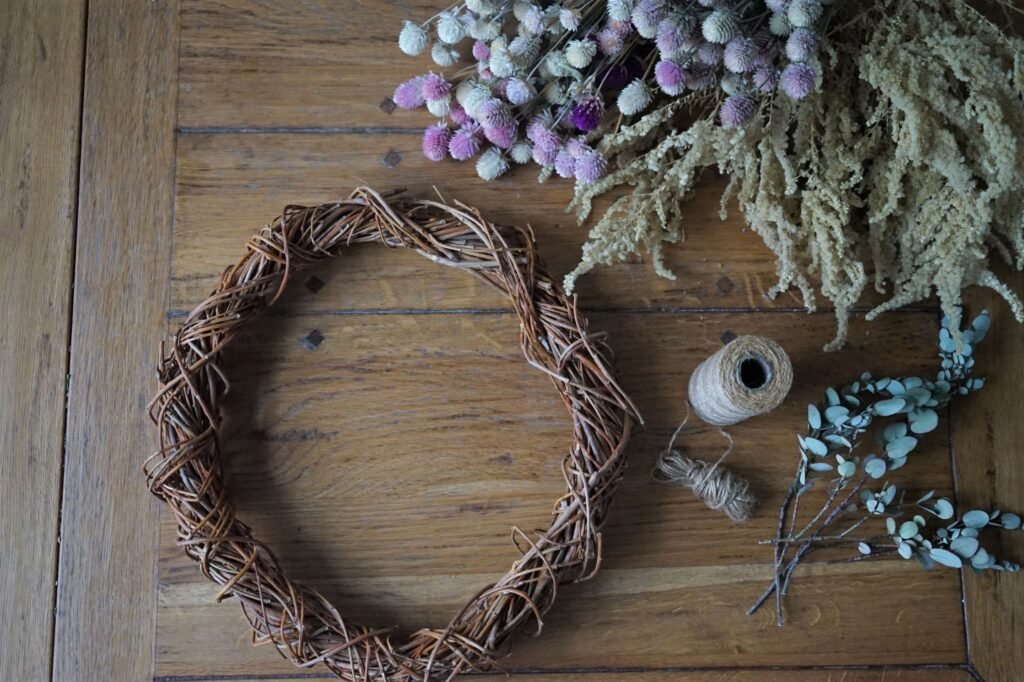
751,375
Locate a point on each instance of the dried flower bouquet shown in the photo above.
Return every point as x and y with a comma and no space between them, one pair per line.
868,143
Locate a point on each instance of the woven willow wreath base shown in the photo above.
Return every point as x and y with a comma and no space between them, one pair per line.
302,624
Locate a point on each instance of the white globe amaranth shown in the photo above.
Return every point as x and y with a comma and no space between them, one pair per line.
804,13
443,55
492,164
720,27
634,98
579,53
450,28
412,39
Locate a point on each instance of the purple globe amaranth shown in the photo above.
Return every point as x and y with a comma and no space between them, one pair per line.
409,95
590,166
798,80
577,146
502,135
739,54
457,114
481,51
765,79
587,113
435,87
710,54
565,165
465,143
737,110
670,77
544,156
493,113
801,44
435,142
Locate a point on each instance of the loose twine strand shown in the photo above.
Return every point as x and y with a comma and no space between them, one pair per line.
299,622
749,376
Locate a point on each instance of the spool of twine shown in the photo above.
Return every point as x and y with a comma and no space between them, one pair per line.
751,375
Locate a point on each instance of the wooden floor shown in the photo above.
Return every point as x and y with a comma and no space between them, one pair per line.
142,142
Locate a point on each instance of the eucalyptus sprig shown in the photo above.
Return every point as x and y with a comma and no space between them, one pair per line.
859,492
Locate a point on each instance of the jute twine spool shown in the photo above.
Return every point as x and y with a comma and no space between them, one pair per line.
751,375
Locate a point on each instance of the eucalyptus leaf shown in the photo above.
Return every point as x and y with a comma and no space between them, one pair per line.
820,466
833,397
900,447
894,431
886,408
847,469
837,414
896,387
982,559
1010,521
908,529
890,525
815,446
875,468
945,557
943,508
864,548
964,547
813,417
923,420
975,519
905,551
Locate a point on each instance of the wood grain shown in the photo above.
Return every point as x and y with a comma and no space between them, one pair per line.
106,595
40,54
309,63
876,674
987,437
387,464
229,184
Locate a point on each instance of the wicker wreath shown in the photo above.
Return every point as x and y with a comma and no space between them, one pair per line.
302,624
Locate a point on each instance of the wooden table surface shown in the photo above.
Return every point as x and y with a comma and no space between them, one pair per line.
142,141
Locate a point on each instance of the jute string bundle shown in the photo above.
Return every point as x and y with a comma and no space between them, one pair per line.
749,376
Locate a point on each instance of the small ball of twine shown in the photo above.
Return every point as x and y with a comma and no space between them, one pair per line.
751,375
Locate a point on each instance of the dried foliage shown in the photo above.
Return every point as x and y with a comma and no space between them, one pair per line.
186,472
904,172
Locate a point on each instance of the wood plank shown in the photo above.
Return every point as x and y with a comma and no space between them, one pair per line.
106,596
878,674
312,63
987,437
386,466
228,185
40,54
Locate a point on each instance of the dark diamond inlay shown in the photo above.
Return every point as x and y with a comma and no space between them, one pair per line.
312,340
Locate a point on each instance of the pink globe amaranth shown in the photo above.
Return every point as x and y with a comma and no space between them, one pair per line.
737,110
798,80
435,142
590,166
577,146
457,114
609,42
493,113
543,156
587,113
710,53
435,87
547,139
465,143
409,95
671,37
565,165
501,136
670,77
481,51
766,79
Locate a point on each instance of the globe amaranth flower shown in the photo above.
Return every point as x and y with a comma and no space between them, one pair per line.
465,143
481,51
620,10
457,114
518,91
492,164
801,45
804,13
569,19
587,113
579,53
409,95
720,27
565,165
779,25
435,142
634,98
701,76
502,135
737,110
646,17
674,36
765,79
443,55
439,107
450,28
670,77
710,53
577,146
609,41
739,53
521,152
493,113
543,156
777,5
798,80
590,167
412,39
533,20
436,87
